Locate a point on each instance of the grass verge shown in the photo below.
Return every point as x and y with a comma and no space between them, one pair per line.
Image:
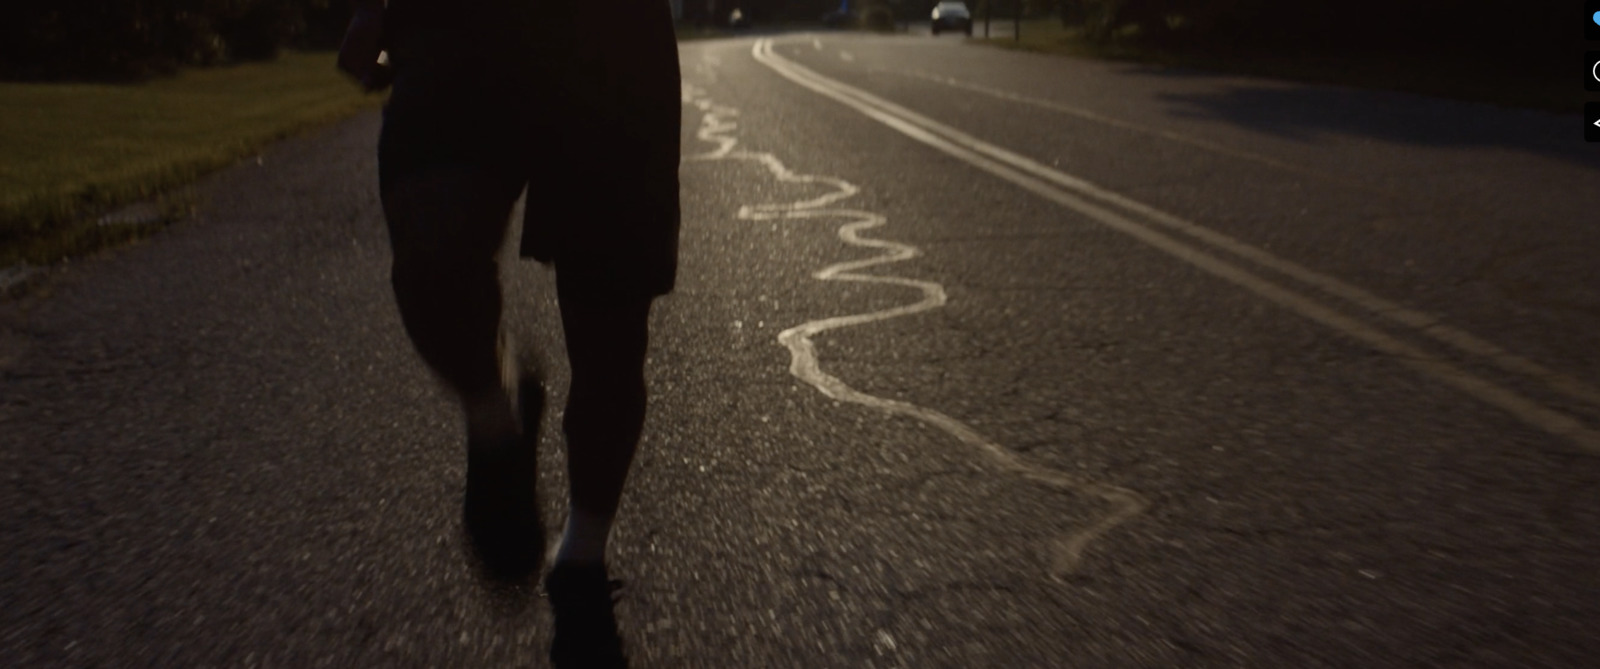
70,152
1486,79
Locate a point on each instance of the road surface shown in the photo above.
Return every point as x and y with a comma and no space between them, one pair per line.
977,359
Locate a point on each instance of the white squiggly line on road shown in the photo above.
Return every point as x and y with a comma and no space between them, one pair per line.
716,123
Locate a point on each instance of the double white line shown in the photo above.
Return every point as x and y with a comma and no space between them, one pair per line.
1154,227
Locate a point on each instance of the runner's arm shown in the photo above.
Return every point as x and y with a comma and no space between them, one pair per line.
363,42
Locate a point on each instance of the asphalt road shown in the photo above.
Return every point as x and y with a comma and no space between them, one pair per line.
1154,368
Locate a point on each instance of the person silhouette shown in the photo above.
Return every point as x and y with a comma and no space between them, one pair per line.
490,99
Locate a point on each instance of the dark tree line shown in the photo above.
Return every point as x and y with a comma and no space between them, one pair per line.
716,11
121,39
129,39
1523,30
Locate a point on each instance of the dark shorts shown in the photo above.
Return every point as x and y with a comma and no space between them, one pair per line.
594,136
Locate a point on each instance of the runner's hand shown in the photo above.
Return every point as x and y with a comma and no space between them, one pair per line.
379,76
358,55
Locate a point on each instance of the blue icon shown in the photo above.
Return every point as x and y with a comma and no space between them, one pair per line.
1596,18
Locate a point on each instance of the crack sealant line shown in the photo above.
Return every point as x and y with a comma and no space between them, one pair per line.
1055,186
804,364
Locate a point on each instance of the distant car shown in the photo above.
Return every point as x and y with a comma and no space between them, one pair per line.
737,19
952,16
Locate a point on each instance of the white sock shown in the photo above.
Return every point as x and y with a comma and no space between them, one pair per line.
585,538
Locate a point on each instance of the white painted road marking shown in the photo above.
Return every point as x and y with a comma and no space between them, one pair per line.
1425,324
1087,115
1068,550
1071,192
846,56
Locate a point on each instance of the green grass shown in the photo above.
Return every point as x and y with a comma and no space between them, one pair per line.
1487,79
69,152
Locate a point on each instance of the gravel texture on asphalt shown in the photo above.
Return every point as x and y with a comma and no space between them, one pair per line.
220,450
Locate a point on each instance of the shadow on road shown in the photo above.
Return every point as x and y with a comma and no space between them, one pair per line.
1306,112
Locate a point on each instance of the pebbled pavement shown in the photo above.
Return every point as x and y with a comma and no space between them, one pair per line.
219,449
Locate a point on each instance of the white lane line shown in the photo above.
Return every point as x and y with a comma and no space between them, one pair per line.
1412,319
1066,551
1419,321
1136,128
816,44
846,56
1120,124
1055,186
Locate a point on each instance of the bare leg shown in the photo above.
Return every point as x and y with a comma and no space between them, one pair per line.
606,343
446,227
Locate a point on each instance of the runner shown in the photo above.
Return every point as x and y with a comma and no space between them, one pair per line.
491,98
